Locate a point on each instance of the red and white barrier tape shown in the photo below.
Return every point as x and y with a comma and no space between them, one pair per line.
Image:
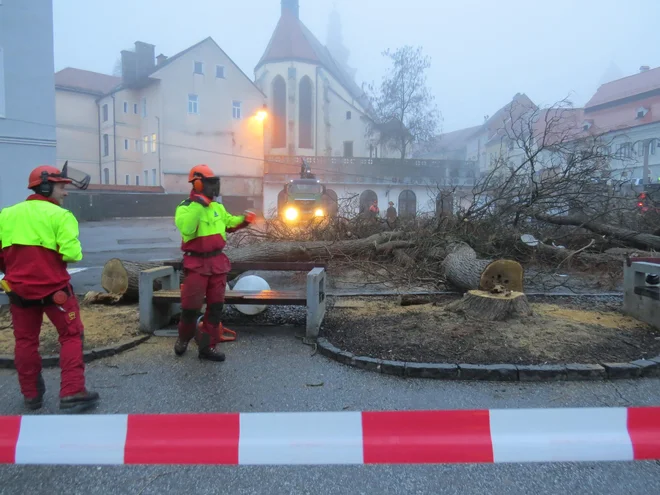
401,437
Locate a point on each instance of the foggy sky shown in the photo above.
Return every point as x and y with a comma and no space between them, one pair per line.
483,51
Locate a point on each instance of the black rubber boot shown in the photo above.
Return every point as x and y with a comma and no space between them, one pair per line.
181,346
38,401
205,350
79,402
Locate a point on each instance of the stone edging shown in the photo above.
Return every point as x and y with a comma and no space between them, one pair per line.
495,372
7,362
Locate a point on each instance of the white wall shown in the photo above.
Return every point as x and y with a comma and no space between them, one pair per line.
231,146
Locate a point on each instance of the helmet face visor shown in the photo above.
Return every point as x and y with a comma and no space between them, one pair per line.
78,179
211,187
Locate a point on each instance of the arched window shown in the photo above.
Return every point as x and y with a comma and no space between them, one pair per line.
366,198
279,113
330,202
305,114
281,201
407,203
106,176
444,203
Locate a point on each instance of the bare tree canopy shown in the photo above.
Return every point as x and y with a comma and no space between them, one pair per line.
406,109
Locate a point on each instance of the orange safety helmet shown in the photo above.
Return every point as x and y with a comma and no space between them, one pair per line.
44,174
198,174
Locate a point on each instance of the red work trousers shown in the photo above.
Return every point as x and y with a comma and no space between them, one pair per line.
27,328
195,286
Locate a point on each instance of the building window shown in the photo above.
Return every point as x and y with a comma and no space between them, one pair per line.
236,109
106,175
125,107
145,145
305,114
2,85
348,149
279,112
126,144
652,147
128,180
137,145
144,107
146,177
349,115
407,203
198,67
153,143
105,112
135,108
106,145
137,180
220,71
153,176
193,104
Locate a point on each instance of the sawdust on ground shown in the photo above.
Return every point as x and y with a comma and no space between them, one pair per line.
555,333
104,326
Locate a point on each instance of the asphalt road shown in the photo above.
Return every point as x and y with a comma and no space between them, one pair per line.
270,370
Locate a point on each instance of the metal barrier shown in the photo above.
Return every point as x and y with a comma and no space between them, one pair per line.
321,438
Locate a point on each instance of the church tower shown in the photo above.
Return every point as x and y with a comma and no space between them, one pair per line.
316,109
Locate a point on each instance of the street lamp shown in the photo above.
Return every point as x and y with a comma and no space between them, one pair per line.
262,114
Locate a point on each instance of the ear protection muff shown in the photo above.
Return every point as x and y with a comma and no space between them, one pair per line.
198,184
46,187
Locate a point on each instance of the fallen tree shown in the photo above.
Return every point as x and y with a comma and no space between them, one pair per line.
637,239
122,277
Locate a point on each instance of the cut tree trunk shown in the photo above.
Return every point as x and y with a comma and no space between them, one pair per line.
461,267
483,305
122,277
637,239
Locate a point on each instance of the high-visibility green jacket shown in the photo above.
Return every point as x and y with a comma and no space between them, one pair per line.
38,239
203,228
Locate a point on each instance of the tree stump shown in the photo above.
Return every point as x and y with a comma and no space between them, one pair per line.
484,305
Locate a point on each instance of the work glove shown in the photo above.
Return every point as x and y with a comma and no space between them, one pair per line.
250,216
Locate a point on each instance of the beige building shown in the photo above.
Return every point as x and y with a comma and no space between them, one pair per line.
163,116
316,108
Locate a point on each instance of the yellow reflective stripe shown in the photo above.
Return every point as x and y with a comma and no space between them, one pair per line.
41,223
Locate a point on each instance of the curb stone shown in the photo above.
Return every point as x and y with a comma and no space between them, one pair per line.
649,367
7,362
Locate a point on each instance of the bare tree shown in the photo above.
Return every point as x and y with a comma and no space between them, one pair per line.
404,105
117,69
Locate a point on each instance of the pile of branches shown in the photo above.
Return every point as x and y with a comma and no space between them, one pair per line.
548,200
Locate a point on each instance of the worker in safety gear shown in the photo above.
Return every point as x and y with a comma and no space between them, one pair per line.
39,238
204,223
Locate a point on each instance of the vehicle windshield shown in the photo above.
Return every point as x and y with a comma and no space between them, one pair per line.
305,188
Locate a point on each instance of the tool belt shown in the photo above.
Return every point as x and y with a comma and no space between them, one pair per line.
210,254
58,297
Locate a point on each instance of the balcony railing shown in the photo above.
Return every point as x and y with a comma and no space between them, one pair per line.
279,169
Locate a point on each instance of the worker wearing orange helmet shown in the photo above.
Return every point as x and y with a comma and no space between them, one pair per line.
203,224
39,238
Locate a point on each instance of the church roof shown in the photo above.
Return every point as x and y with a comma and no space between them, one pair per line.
293,41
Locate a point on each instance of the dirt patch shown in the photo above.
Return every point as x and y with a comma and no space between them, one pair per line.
561,330
104,326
